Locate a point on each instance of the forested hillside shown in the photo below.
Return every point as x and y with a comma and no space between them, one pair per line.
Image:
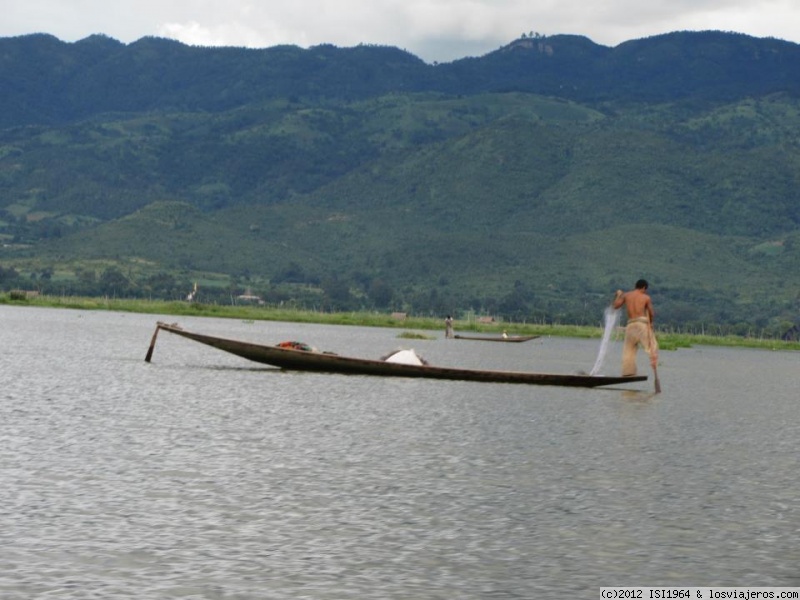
527,184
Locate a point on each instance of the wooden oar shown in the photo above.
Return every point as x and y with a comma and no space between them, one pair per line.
658,383
152,345
655,369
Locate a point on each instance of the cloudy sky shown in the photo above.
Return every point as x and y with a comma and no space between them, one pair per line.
434,30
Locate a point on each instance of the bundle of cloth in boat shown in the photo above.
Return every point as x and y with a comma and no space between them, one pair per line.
297,346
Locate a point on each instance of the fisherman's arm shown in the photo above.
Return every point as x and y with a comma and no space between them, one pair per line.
650,311
619,299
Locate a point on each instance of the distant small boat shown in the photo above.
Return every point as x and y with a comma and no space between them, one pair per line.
496,338
290,356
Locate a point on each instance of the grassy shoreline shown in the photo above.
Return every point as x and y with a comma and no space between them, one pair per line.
667,341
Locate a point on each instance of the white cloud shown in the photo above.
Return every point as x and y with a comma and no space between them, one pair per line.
225,34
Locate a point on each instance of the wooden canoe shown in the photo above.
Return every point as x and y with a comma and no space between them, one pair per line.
302,360
496,338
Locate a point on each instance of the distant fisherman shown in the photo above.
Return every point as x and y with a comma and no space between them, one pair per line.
639,330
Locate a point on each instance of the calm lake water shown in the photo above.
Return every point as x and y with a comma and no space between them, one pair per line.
201,475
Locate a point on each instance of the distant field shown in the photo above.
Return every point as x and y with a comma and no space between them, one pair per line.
667,340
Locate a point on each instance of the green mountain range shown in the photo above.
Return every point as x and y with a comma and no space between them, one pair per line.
526,184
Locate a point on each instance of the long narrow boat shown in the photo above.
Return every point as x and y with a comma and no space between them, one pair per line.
496,338
303,360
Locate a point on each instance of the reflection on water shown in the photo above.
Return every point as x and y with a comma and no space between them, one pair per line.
638,396
203,476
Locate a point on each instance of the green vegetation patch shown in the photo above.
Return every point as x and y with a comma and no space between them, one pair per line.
415,335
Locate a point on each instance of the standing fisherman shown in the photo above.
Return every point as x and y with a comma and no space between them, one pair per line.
639,330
